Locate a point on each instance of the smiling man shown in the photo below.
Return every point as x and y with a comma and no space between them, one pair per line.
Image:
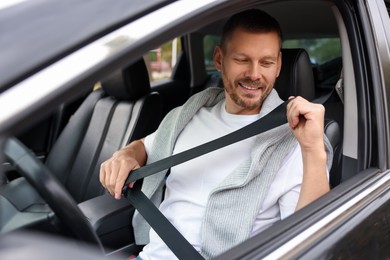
250,62
224,197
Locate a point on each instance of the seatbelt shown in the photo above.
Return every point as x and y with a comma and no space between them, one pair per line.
167,232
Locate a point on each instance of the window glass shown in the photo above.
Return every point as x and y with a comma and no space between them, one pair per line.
161,61
209,43
320,50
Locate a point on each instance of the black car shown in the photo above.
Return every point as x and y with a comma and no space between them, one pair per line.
74,88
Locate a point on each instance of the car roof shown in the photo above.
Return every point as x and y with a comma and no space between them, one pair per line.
317,12
30,37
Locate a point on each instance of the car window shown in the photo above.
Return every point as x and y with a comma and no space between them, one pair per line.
320,50
209,43
161,61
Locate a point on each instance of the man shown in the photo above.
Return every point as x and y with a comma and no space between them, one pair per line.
220,199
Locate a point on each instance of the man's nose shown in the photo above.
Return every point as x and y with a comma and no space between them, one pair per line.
254,71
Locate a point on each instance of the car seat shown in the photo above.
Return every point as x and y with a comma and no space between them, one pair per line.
296,75
296,79
124,109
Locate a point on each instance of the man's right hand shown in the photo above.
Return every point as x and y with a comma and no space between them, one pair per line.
114,171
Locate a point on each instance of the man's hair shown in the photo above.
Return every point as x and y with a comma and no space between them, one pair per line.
254,21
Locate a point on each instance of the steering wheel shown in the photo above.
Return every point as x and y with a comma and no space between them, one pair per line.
51,190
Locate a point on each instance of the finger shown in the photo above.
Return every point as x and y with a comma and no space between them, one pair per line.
123,173
102,175
291,98
110,176
293,113
299,110
131,184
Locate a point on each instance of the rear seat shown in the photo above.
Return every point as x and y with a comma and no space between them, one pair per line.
125,109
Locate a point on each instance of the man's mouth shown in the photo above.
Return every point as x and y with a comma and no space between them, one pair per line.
248,87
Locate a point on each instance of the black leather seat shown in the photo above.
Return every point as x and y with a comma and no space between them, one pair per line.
124,109
296,75
296,79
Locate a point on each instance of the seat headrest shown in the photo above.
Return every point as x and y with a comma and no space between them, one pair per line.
296,76
130,83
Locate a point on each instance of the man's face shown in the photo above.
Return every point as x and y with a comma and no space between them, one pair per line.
249,66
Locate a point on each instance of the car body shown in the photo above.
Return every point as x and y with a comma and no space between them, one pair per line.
54,52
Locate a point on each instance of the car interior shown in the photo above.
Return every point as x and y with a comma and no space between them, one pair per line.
129,104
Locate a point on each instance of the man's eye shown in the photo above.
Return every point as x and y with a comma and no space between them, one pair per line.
267,64
241,60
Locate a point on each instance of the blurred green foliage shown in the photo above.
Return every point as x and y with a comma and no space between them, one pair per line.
166,50
320,50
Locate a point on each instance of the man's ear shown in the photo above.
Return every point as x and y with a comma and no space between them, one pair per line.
279,64
218,57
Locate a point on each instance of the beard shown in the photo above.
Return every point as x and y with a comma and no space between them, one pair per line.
248,100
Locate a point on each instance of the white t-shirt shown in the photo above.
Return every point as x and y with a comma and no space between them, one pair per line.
189,184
